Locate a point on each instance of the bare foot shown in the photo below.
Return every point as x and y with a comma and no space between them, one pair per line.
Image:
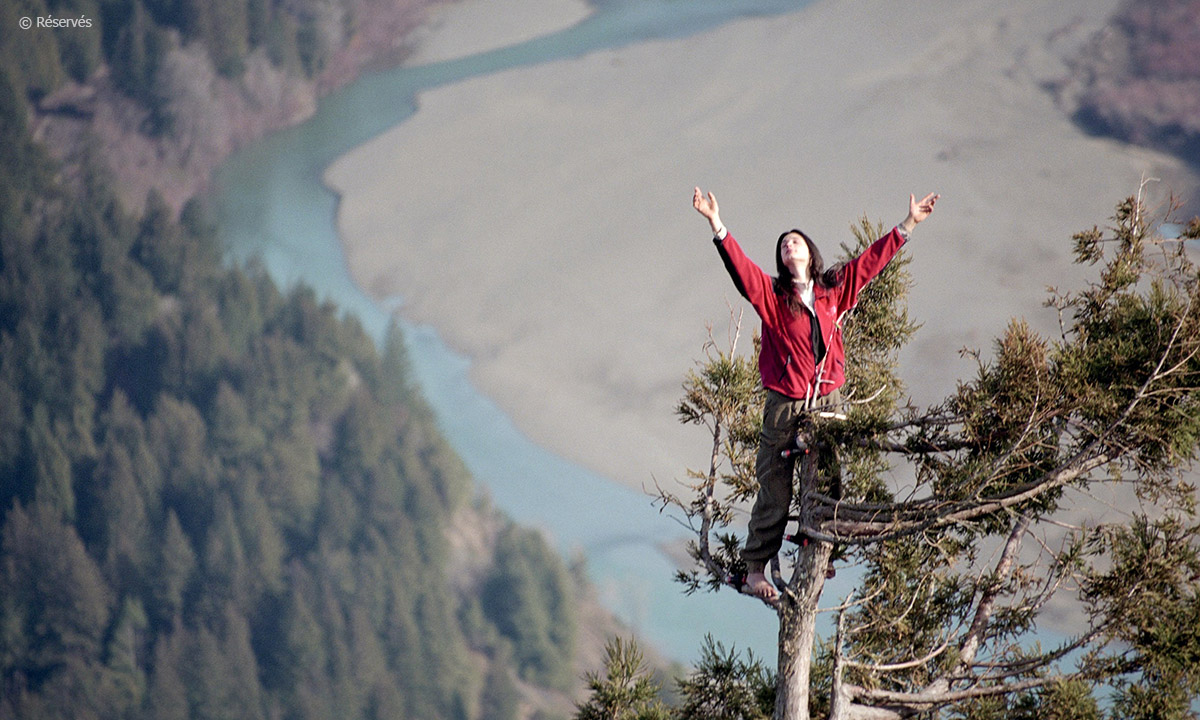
758,586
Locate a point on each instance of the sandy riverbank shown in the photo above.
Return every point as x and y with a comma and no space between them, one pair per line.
468,27
540,218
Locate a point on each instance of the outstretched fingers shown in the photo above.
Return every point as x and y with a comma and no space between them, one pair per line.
926,203
920,209
706,206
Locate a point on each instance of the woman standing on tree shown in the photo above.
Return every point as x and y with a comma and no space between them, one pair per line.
801,361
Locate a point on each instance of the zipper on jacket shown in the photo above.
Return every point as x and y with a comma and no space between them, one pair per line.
787,362
814,389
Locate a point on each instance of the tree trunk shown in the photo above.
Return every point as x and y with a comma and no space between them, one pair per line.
797,632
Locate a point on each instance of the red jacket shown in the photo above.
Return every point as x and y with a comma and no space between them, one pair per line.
786,362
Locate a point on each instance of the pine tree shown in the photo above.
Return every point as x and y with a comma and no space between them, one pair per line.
527,598
624,691
166,694
723,686
52,476
175,564
958,566
124,656
56,606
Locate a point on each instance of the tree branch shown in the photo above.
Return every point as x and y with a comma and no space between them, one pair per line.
843,523
987,602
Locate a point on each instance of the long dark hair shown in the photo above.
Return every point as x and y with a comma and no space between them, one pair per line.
784,280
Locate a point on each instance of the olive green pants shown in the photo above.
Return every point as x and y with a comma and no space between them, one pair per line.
781,417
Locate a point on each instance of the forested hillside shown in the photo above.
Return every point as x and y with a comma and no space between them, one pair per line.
220,499
170,87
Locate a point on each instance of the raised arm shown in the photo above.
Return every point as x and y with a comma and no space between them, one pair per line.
918,210
751,281
855,275
707,206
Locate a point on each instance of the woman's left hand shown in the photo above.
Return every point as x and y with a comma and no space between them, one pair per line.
918,210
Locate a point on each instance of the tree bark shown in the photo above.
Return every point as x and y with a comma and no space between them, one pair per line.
797,631
798,606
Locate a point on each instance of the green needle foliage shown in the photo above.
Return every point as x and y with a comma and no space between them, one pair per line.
625,691
723,686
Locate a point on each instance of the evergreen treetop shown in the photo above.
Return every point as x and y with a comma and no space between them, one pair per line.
959,567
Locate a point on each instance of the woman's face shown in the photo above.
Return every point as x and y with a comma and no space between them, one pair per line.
795,255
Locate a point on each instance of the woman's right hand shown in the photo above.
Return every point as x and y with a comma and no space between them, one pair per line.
707,206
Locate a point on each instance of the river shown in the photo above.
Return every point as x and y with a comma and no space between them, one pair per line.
270,203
